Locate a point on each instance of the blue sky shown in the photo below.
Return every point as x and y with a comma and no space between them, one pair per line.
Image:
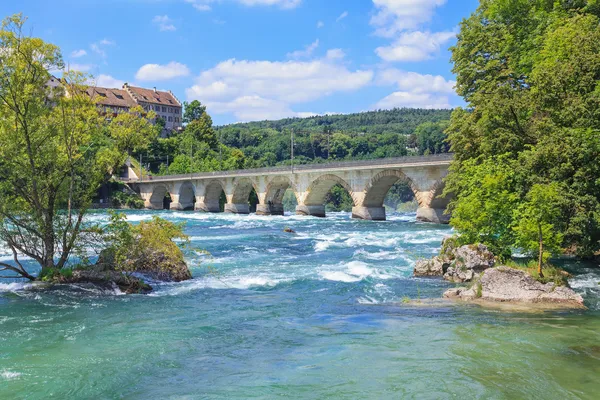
262,59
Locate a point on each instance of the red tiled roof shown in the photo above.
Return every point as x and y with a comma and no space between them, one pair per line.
110,97
155,97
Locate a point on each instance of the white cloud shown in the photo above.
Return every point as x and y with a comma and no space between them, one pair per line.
205,5
156,72
307,52
342,16
78,53
320,24
107,81
164,23
255,90
413,100
415,90
200,5
80,67
415,82
99,47
279,3
335,54
394,16
415,46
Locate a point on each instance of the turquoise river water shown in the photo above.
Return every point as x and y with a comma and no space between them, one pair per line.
319,314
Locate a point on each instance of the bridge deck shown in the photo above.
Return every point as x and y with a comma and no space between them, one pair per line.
399,162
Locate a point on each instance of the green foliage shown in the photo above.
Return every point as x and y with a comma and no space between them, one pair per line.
431,137
129,200
526,147
126,242
338,199
538,221
193,111
55,152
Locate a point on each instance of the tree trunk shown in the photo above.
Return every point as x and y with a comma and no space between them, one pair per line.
541,252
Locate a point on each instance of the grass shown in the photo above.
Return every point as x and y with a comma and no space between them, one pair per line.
551,273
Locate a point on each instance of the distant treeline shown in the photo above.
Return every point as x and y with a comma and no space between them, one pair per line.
374,134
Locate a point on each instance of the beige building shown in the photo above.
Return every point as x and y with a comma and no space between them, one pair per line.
164,104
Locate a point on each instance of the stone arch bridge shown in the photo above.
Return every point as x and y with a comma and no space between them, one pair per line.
367,182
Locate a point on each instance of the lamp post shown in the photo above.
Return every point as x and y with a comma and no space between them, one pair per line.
292,149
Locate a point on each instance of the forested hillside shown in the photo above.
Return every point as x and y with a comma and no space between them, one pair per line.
375,134
399,120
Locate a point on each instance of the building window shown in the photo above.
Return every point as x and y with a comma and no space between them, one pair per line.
164,109
170,119
156,108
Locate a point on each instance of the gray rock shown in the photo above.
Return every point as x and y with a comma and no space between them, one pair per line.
476,257
432,267
454,292
504,284
468,262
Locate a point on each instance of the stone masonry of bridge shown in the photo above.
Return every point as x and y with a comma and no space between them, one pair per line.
367,182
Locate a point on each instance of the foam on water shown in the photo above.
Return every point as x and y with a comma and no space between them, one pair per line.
9,375
15,286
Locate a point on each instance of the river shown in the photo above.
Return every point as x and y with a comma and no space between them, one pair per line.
323,313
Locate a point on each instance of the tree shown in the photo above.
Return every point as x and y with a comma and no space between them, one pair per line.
530,74
431,137
131,132
193,111
55,151
538,230
201,130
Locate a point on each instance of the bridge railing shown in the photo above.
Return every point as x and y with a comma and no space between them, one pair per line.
302,167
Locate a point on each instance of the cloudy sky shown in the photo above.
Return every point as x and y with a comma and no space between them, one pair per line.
262,59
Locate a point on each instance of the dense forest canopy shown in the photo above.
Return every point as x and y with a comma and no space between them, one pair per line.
526,173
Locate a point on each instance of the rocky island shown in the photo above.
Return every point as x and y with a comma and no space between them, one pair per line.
488,282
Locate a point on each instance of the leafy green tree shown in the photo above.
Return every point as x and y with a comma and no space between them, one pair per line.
530,73
538,230
193,111
201,131
431,137
55,151
131,132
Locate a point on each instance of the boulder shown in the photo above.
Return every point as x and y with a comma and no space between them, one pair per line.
435,266
468,262
505,284
108,279
159,266
155,264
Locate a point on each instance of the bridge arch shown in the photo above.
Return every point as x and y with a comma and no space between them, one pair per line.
158,198
238,203
318,189
274,194
187,196
379,186
242,188
212,195
277,187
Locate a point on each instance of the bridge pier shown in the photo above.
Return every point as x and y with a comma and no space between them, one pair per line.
211,207
243,208
313,211
369,213
434,215
272,209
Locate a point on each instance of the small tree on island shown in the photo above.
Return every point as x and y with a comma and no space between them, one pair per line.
55,152
537,230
